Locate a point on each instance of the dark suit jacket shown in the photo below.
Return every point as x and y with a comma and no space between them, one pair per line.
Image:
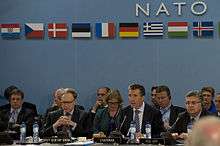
78,116
174,112
150,115
26,105
54,108
183,119
25,115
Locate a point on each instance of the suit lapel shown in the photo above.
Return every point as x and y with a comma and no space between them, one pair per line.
172,115
7,115
130,115
75,116
146,117
20,115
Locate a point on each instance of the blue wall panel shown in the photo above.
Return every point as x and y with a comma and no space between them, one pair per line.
40,66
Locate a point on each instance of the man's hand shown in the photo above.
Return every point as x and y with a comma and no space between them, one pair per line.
181,136
166,125
138,135
175,135
64,121
97,104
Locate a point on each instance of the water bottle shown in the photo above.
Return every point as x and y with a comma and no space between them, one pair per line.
22,132
189,127
35,132
132,133
148,130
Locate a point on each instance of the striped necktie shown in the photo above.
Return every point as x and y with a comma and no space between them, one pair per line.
137,120
13,117
66,129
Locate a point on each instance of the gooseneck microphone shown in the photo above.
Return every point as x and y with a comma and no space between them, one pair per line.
117,133
168,132
122,123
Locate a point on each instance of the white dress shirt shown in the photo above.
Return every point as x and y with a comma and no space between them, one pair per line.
141,113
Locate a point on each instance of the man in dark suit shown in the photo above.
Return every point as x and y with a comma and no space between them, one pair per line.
69,121
194,111
141,113
168,110
217,104
13,115
100,101
29,105
153,100
56,101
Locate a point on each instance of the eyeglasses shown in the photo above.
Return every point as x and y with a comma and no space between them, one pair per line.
113,103
100,94
192,103
217,101
67,102
153,94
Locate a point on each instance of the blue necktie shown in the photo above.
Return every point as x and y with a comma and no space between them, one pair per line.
13,116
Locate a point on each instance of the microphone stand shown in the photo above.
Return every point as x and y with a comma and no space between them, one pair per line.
117,133
167,135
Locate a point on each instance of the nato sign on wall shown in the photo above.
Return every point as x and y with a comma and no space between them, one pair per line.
175,29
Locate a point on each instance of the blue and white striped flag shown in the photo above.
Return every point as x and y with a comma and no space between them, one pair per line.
152,29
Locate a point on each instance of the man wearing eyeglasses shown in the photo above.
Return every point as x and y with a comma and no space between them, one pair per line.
217,104
194,111
67,122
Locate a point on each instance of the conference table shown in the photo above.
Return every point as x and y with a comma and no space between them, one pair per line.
95,144
87,142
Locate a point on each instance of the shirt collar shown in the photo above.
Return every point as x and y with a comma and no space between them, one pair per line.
166,108
71,112
141,109
197,117
17,110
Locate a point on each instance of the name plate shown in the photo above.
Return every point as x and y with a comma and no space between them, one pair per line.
107,140
155,141
57,140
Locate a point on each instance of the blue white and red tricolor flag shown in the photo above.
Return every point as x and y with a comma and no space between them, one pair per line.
105,30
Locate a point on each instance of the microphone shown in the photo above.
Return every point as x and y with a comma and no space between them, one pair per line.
177,119
168,132
117,133
122,123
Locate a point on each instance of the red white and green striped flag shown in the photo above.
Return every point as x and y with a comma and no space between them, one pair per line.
177,29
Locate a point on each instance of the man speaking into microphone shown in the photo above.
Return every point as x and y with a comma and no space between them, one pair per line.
141,113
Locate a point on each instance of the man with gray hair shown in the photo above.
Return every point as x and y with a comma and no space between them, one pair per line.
56,101
194,111
206,132
217,104
68,121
